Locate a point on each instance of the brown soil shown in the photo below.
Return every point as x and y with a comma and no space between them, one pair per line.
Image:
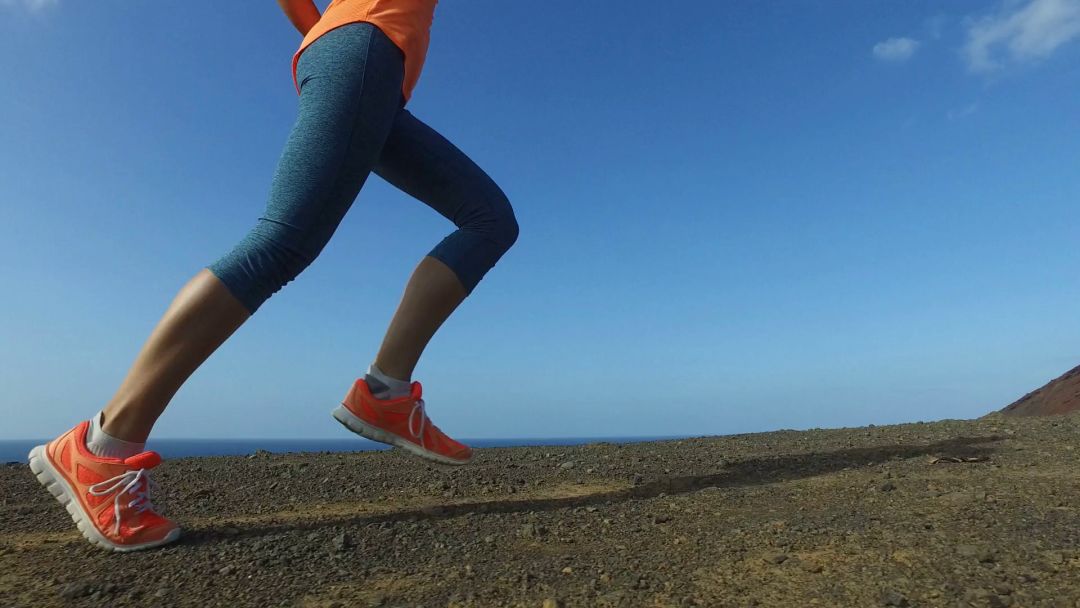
1059,396
953,513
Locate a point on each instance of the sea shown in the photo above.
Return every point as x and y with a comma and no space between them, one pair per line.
16,450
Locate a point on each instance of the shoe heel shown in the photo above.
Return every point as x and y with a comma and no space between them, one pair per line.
358,426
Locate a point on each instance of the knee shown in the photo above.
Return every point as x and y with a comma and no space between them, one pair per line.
278,258
262,263
508,229
499,223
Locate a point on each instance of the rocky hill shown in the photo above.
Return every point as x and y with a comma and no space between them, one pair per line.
1059,396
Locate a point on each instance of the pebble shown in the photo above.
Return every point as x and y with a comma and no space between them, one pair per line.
894,598
567,465
74,590
342,542
777,558
981,553
533,530
888,486
552,603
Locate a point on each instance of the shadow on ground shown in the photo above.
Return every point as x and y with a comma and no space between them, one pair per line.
756,471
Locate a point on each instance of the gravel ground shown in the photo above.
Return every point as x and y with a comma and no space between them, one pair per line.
953,513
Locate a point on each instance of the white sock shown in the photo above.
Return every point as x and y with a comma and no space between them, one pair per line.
105,445
385,387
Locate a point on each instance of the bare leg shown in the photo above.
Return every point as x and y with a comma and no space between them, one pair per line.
201,317
432,293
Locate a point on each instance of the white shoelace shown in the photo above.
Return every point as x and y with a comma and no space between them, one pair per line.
419,434
128,483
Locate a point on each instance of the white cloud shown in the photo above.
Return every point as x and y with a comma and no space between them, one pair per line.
30,5
896,49
964,112
1020,31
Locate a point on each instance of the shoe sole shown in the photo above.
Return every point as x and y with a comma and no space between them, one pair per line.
358,426
54,482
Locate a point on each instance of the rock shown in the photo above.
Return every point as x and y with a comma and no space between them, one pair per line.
982,553
489,539
342,542
812,567
888,486
661,519
776,558
533,531
226,570
568,570
552,603
75,590
894,598
567,465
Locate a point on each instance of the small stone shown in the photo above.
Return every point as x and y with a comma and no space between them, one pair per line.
981,553
1003,589
777,558
567,465
489,539
552,603
568,570
894,598
342,542
226,570
74,590
661,519
533,530
161,593
605,578
812,567
888,486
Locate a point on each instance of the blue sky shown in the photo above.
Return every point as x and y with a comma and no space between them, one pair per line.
737,216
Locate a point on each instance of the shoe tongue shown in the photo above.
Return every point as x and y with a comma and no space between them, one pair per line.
145,460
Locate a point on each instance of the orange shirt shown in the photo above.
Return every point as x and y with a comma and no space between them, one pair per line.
406,22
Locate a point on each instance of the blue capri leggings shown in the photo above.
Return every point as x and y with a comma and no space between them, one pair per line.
351,122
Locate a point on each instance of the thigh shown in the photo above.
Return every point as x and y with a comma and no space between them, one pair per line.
422,163
349,97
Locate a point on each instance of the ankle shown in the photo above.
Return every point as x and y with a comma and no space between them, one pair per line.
385,386
119,422
103,444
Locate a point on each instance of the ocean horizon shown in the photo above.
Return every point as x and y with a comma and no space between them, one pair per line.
16,450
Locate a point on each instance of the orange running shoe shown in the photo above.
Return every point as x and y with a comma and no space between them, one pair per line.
401,422
108,498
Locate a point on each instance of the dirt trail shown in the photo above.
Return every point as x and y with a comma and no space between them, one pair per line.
954,513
